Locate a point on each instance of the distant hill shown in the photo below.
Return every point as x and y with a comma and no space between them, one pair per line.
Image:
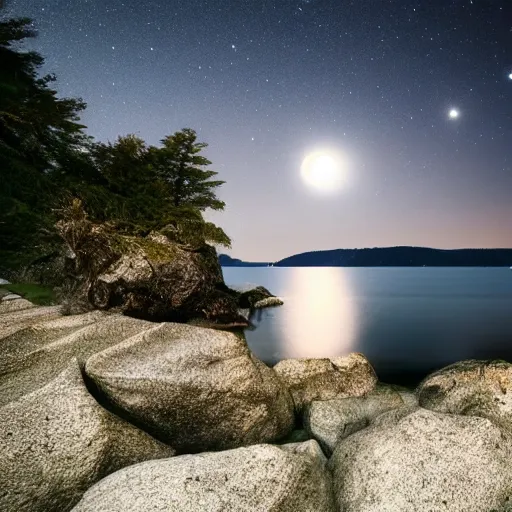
389,257
401,257
228,261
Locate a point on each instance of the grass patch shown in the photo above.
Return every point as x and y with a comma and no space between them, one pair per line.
37,294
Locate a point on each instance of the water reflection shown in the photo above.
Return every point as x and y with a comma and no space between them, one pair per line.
407,321
319,318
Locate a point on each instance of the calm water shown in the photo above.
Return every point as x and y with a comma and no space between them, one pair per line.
407,321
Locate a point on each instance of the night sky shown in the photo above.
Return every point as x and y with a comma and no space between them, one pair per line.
266,82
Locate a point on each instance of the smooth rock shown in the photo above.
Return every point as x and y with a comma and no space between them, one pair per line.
473,388
268,303
408,396
261,478
326,379
331,421
10,306
18,344
4,281
199,389
11,296
33,368
13,321
58,441
309,447
420,460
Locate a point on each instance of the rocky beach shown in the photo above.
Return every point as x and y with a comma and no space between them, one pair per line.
100,412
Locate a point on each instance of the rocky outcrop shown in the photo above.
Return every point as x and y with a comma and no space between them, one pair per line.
259,478
30,363
422,460
57,442
326,379
153,277
198,389
473,388
331,421
269,302
163,281
250,298
148,277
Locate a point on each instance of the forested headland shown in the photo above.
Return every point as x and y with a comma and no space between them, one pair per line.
48,161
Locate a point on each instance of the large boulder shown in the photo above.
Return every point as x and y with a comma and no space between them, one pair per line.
148,277
410,460
28,366
330,421
57,442
157,277
157,280
326,379
474,388
198,389
259,478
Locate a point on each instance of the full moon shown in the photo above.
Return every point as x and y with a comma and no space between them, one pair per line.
322,171
454,113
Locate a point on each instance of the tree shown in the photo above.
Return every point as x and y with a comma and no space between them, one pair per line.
146,188
130,190
38,132
189,188
179,164
46,157
34,123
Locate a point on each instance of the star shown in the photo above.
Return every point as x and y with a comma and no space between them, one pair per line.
510,76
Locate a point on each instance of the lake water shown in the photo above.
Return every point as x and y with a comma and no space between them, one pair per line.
406,321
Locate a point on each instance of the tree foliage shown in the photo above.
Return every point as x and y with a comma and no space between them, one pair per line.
179,164
166,189
38,131
46,159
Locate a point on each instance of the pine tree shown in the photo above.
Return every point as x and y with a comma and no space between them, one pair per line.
38,131
190,189
184,171
132,197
